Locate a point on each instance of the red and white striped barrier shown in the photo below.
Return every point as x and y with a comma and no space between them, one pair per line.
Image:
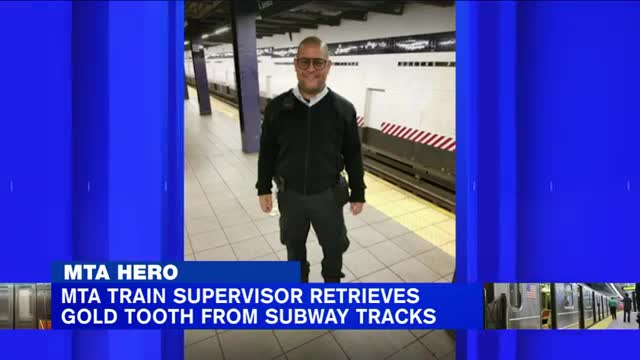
423,137
360,120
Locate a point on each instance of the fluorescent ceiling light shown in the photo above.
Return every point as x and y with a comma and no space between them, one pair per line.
614,289
221,30
217,32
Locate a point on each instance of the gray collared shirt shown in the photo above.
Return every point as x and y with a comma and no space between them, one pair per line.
314,100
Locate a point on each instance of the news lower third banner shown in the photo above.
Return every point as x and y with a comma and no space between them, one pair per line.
199,295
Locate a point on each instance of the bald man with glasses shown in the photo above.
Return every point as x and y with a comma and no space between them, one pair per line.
309,136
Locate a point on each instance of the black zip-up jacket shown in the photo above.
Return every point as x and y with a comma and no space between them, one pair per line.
310,146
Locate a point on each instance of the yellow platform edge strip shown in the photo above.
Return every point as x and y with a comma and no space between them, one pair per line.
604,324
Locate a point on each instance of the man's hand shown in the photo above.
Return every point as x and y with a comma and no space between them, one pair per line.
266,203
356,208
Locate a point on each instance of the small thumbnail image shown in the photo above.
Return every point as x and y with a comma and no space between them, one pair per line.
560,306
25,306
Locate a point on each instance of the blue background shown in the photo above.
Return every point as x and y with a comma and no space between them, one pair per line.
457,306
547,121
91,153
547,127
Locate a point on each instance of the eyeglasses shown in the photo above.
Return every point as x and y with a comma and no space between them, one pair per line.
304,63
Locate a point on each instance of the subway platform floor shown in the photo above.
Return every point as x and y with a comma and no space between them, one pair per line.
618,324
397,238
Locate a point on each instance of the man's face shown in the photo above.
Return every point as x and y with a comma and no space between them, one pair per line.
312,68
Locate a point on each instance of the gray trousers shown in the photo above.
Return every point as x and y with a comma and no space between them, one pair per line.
297,213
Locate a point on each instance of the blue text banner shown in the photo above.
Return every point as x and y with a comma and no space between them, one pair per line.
274,306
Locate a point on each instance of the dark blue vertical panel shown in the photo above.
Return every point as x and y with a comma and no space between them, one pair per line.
174,216
466,160
35,138
35,157
578,126
577,153
90,128
138,114
487,111
82,158
173,246
128,166
495,61
538,133
466,153
486,168
138,119
506,138
576,121
504,181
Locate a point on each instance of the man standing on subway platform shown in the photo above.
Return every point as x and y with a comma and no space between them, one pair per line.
309,135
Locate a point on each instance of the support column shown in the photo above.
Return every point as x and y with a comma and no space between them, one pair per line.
246,63
200,72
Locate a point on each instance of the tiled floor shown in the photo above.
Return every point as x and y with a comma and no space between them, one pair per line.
397,238
620,324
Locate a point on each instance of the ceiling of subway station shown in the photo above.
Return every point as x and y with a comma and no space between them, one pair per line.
606,288
212,19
